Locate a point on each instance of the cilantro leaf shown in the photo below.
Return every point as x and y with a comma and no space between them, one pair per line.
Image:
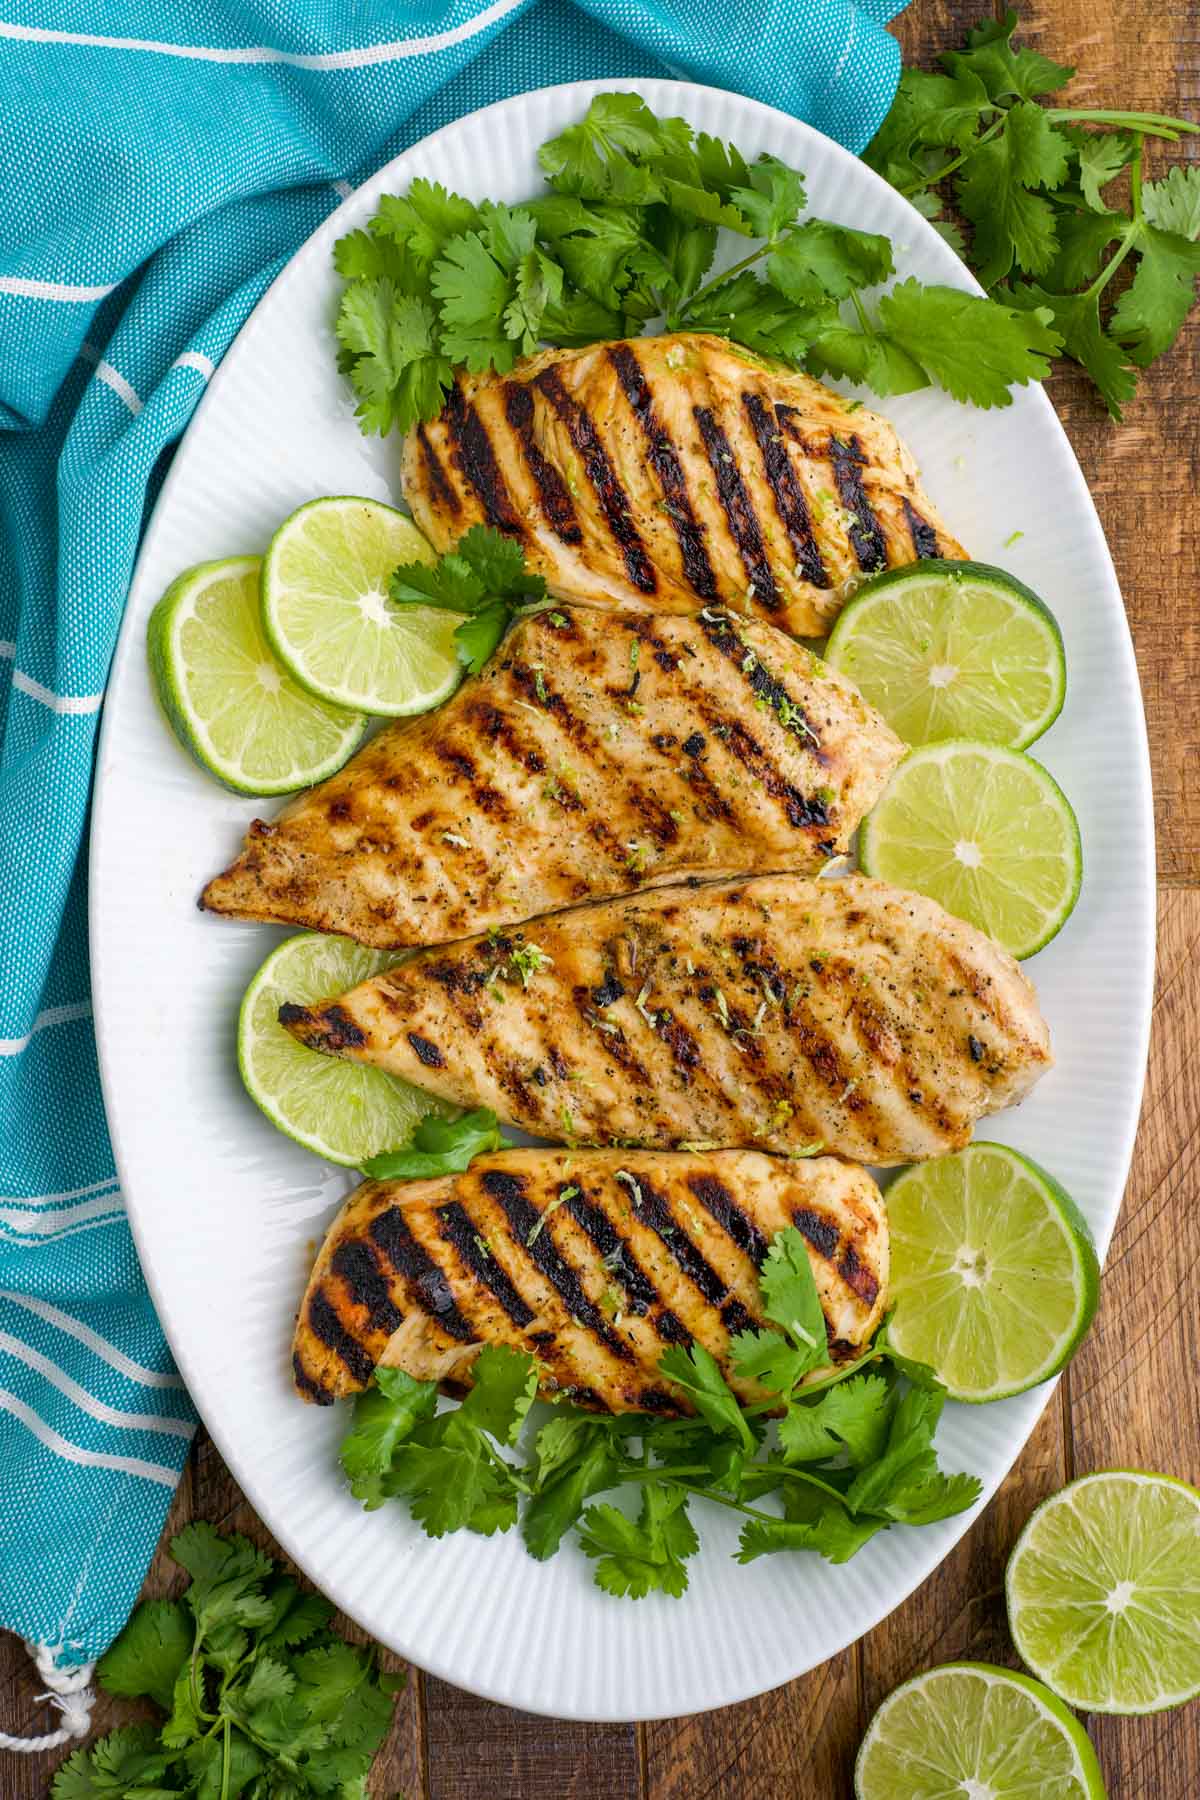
772,198
385,1415
148,1655
1101,156
298,1616
866,357
483,576
698,1373
1173,204
439,1147
395,362
637,1559
1012,222
227,1575
790,1296
128,1759
576,1458
503,1384
830,1530
1150,313
976,349
593,159
769,1358
1077,321
1004,70
423,220
821,260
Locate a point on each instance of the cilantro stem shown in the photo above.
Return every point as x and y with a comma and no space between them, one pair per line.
1131,233
1149,124
226,1764
919,187
502,1462
747,262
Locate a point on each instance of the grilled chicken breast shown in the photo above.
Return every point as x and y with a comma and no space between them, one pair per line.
594,755
772,1012
595,1261
672,473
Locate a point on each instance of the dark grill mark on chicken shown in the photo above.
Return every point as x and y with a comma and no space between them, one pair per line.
739,510
552,489
864,532
308,1386
390,1233
664,460
613,499
428,1053
458,1230
924,537
789,496
441,489
601,1296
477,460
524,1221
326,1325
358,1268
716,1199
640,1291
856,1276
654,1210
816,1231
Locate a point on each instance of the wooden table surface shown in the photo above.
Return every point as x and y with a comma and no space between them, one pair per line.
1131,1396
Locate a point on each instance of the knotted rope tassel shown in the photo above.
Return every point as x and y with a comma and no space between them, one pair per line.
70,1690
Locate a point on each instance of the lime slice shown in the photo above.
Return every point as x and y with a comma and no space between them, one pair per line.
344,1111
994,1276
228,700
327,612
968,1731
985,831
953,649
1104,1592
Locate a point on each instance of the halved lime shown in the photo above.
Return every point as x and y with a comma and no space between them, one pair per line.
969,1731
984,830
994,1276
328,615
344,1111
229,701
953,649
1104,1592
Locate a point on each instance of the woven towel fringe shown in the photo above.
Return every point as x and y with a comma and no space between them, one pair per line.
70,1690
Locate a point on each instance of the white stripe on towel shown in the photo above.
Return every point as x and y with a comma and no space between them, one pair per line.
53,1015
93,1459
362,58
98,1409
75,1328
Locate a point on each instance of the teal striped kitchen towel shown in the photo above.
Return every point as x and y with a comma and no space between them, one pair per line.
161,161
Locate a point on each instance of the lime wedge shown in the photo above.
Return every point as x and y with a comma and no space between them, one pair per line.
994,1276
328,615
228,699
344,1111
953,649
985,831
968,1731
1104,1592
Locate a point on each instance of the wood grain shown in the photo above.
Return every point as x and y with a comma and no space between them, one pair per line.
1132,1396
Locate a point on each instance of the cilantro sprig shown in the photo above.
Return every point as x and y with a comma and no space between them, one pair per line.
626,234
1033,182
262,1698
844,1453
440,1147
484,577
